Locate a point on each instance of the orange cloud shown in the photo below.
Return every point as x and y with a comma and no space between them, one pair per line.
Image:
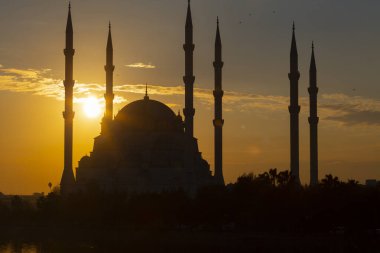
141,65
335,107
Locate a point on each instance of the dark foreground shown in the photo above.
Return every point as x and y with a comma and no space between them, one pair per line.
264,213
56,241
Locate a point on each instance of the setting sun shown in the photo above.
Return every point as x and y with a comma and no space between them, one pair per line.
91,107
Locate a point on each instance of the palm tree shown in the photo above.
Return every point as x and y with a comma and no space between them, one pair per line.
283,178
330,181
352,182
273,176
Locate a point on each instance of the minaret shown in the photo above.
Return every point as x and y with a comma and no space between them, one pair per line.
109,96
313,121
218,120
189,78
294,110
146,97
68,180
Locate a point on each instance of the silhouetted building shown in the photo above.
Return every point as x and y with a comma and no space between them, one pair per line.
109,96
189,77
218,121
313,121
147,147
294,109
29,199
68,180
371,182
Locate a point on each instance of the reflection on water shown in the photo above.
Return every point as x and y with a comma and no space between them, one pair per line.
47,247
50,247
18,248
187,242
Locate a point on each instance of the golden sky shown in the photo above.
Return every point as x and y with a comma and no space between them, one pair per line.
148,37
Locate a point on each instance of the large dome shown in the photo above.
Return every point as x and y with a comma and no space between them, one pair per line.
147,115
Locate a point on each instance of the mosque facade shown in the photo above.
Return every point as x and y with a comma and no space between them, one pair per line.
146,147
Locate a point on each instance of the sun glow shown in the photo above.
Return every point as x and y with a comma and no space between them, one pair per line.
91,107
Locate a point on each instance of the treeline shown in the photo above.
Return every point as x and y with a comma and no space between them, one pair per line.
269,202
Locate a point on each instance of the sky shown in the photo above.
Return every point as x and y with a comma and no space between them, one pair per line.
148,36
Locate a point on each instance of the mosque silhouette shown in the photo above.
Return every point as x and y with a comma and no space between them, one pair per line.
146,147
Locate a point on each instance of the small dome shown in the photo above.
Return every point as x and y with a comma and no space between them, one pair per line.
147,115
85,161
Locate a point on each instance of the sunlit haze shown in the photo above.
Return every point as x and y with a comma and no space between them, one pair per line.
148,37
92,107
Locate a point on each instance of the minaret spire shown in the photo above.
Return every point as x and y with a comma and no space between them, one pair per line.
69,30
109,96
218,120
218,41
294,109
313,120
293,53
68,179
146,92
189,78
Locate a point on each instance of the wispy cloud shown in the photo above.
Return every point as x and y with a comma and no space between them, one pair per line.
34,81
351,110
358,118
40,82
141,65
343,109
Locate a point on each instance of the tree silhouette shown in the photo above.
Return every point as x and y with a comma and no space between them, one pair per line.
330,181
273,176
269,202
284,178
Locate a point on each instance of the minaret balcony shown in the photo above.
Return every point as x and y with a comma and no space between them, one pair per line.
68,114
68,83
109,96
294,109
218,64
218,93
189,80
218,122
189,47
109,67
189,112
69,51
294,75
313,90
313,120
